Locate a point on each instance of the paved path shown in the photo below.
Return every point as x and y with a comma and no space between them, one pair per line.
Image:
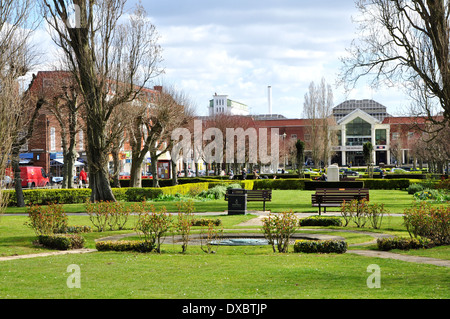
257,221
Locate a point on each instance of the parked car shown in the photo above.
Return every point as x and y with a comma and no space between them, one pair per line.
31,176
147,175
398,171
124,175
376,170
347,172
57,179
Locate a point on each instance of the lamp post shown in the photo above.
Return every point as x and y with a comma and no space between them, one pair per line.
284,148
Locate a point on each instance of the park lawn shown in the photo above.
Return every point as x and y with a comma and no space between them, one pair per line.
231,273
282,200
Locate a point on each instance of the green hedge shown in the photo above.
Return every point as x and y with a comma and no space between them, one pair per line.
81,195
61,241
48,196
402,243
313,185
124,245
321,221
321,246
284,184
385,183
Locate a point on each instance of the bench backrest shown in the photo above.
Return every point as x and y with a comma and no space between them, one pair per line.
340,194
257,193
342,191
263,193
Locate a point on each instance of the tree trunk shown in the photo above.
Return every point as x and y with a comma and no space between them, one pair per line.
154,167
17,180
174,173
135,172
98,165
116,169
101,189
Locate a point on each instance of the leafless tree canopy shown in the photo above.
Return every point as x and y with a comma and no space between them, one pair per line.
317,107
16,56
405,42
111,61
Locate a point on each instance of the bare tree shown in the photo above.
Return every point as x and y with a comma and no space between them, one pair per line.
111,63
16,58
171,109
63,100
407,43
317,107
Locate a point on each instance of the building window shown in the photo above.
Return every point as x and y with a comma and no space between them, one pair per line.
410,135
52,139
307,138
395,136
380,137
357,141
358,127
294,136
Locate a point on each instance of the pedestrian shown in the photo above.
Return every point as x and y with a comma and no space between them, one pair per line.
83,178
244,173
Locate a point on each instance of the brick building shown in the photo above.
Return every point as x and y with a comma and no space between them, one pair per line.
45,148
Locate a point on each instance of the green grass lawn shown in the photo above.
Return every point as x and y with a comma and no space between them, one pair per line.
231,273
297,200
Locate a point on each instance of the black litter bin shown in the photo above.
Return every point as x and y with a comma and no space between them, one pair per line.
237,201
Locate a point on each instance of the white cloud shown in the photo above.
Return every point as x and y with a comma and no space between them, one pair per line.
240,47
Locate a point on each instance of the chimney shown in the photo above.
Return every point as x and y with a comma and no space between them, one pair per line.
270,100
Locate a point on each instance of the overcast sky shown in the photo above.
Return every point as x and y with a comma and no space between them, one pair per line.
240,47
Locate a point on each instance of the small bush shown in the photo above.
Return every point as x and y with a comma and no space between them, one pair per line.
46,220
205,222
141,246
61,241
320,221
76,229
278,228
432,222
414,188
321,246
402,243
217,192
113,214
152,227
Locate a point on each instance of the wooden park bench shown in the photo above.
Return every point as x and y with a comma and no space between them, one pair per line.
263,195
334,197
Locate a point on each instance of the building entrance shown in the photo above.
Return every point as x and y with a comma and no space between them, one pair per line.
355,159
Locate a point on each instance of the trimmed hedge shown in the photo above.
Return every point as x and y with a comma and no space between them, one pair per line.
62,241
81,195
320,246
205,222
48,196
283,184
321,221
385,183
313,185
125,245
402,243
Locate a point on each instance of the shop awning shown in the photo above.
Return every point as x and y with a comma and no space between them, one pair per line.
60,162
